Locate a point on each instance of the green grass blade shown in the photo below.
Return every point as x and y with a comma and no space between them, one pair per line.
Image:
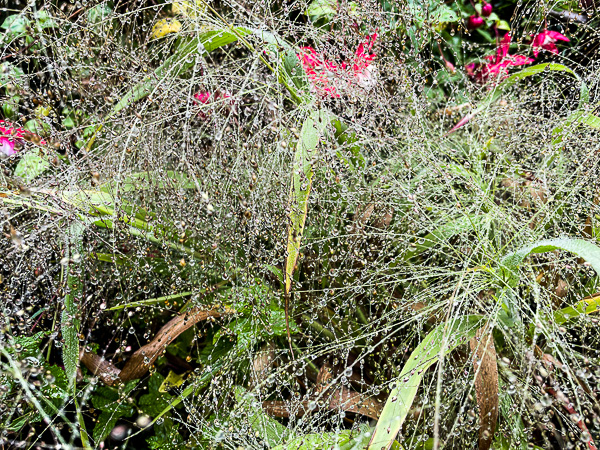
151,301
180,62
69,321
584,249
442,340
302,175
585,306
450,229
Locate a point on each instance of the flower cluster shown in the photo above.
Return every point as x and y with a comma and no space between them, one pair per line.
12,139
497,66
326,77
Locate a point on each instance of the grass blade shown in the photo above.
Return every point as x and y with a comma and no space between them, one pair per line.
443,339
302,175
584,249
69,321
585,306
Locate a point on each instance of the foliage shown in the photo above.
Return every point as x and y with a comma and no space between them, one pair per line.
324,224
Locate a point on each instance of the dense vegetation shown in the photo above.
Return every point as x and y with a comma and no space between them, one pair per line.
298,225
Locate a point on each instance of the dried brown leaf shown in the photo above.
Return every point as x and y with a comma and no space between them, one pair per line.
486,384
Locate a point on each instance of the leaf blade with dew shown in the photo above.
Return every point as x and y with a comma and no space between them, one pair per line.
31,166
177,63
301,182
585,306
512,79
579,117
446,231
272,431
69,321
197,384
98,203
342,440
509,265
399,401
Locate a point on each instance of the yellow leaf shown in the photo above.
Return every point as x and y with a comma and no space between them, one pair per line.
164,27
172,380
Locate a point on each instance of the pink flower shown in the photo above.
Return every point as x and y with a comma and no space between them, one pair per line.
486,9
202,97
546,41
325,76
12,139
319,71
497,68
474,22
205,97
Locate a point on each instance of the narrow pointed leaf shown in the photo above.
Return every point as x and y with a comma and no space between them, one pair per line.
442,340
584,249
302,175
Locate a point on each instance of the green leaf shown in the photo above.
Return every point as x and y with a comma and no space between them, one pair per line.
27,345
341,440
12,75
15,25
440,341
444,14
576,118
584,249
166,436
69,321
45,20
349,139
113,406
322,8
106,422
503,25
155,401
585,306
180,62
268,428
302,174
36,126
98,13
31,166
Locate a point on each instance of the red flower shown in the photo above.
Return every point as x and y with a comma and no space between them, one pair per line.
205,97
546,41
319,71
11,139
497,68
474,22
326,76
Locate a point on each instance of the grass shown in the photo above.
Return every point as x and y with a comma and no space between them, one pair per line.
377,276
